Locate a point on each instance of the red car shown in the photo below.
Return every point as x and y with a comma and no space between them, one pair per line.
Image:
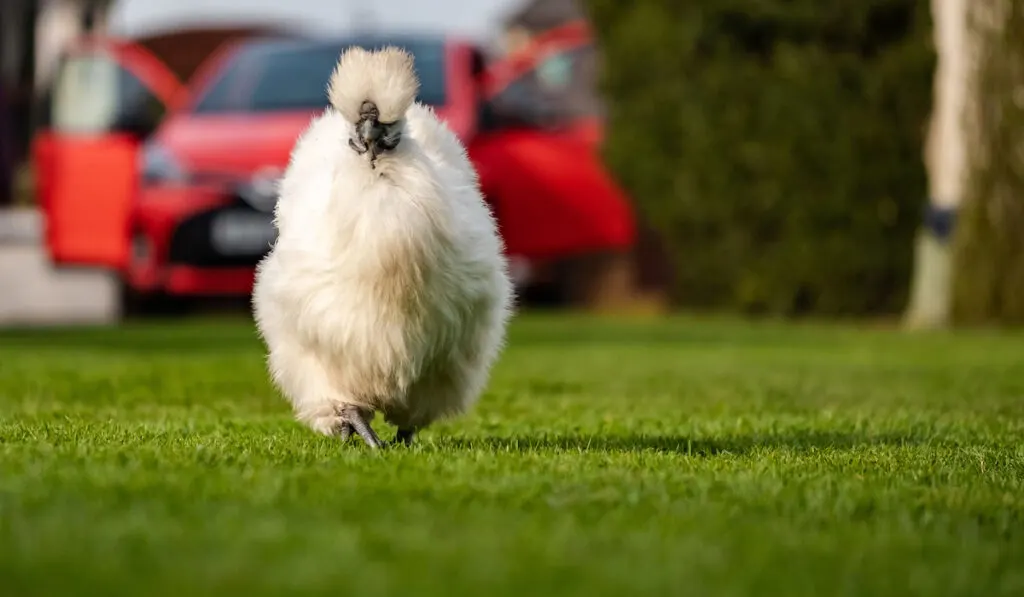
174,186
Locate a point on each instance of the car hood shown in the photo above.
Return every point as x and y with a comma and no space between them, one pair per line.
235,145
231,145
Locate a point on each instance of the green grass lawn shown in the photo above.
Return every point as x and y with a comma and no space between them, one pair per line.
705,458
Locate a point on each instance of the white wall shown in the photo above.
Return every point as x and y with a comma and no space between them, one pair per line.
474,19
58,23
477,19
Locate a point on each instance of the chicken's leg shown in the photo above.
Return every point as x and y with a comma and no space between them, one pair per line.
345,431
405,436
355,419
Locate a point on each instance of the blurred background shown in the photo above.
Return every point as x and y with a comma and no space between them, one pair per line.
798,159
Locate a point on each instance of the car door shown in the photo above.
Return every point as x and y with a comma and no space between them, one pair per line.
106,98
549,83
536,155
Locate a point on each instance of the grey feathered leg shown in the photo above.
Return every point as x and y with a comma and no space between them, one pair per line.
356,420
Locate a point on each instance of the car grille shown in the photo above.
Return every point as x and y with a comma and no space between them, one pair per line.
229,236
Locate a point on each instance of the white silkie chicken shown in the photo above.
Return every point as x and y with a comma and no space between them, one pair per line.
387,288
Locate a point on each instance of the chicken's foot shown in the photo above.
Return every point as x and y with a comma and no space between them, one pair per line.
356,420
405,436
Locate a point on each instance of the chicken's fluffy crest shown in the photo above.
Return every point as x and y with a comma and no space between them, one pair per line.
386,77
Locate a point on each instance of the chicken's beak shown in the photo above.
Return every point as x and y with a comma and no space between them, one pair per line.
374,136
370,130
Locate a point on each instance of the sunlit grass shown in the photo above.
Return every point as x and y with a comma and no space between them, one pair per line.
679,457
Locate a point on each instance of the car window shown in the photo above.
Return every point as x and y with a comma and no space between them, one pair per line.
94,94
560,87
269,77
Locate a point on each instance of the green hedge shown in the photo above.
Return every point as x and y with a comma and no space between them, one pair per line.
777,144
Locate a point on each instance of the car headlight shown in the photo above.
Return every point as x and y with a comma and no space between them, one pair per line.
260,192
157,165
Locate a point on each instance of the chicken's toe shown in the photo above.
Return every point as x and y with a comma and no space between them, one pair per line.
355,419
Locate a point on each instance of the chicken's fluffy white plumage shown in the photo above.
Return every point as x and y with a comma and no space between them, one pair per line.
387,288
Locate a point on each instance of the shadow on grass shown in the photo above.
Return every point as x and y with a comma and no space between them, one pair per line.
793,442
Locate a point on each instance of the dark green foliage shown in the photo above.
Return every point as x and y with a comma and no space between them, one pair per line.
776,143
989,258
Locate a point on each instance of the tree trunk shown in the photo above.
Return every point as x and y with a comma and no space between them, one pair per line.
945,160
988,262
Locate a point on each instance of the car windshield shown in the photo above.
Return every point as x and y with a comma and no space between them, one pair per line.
269,77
